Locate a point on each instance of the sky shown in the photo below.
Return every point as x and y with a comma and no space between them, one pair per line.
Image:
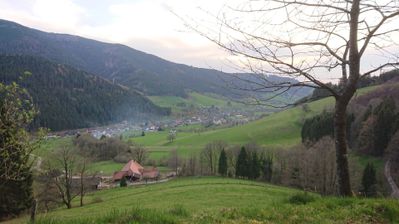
152,26
147,25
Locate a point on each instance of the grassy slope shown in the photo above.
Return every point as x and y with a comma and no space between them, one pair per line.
219,200
280,129
194,98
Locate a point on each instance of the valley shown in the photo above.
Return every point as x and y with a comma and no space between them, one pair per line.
108,114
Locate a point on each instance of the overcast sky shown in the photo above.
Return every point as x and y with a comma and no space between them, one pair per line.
146,25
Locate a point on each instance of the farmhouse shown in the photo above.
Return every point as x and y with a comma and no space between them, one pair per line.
133,171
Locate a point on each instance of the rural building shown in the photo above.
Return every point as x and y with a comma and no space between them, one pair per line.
133,171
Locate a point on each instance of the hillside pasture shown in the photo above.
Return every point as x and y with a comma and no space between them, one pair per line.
219,200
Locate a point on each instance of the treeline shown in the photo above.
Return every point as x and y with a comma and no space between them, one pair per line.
68,98
109,148
369,132
376,128
366,81
218,158
311,168
314,128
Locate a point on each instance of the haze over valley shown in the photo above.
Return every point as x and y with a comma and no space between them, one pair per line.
199,112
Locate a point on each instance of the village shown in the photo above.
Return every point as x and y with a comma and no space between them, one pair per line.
213,116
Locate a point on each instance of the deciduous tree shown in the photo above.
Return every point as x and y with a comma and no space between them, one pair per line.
16,146
303,39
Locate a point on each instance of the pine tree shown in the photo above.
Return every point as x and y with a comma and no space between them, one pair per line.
369,181
242,164
222,163
267,168
254,165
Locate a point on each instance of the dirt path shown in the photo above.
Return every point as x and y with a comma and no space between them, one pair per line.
394,187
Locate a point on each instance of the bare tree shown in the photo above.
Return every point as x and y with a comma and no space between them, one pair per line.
210,154
174,161
83,168
139,153
65,159
304,39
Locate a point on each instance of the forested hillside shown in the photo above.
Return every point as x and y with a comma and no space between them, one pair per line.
69,98
144,72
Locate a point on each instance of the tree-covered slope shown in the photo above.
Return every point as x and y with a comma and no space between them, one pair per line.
68,98
147,73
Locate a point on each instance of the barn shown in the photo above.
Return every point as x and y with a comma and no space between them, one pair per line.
133,171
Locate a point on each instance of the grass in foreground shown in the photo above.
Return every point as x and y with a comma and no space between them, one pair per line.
221,200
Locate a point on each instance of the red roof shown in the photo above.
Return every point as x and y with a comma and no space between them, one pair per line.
151,173
133,168
119,175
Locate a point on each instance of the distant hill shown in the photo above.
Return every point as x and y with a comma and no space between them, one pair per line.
129,67
69,98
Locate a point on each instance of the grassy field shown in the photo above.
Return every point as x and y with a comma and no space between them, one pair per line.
194,99
219,200
50,145
280,129
204,100
276,130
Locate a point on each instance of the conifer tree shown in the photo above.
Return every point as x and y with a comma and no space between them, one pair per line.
369,181
267,168
254,165
222,163
242,164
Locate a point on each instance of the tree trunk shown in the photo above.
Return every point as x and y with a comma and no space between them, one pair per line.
342,102
81,189
341,148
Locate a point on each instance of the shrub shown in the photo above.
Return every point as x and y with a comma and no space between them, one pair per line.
301,198
123,182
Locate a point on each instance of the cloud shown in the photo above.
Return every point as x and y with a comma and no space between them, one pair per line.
59,14
49,15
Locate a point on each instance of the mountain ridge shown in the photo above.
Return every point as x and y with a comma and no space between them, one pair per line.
145,72
68,98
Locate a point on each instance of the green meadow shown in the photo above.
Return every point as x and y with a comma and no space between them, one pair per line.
193,99
220,200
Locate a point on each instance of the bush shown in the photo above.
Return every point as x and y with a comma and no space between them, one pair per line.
123,182
301,198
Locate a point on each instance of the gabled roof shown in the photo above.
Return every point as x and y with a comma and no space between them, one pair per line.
132,167
119,175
